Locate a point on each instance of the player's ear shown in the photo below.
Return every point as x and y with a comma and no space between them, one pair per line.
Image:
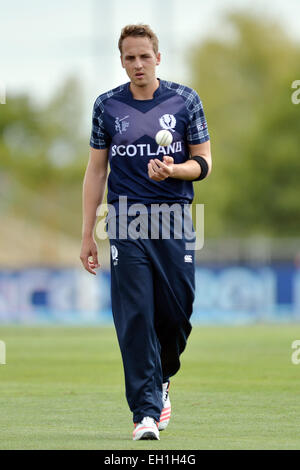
122,61
158,58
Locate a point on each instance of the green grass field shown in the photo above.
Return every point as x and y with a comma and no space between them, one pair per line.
63,388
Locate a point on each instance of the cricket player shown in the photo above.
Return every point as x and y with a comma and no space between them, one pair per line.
152,277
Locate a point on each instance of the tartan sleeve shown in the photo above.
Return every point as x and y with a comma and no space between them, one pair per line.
99,137
197,132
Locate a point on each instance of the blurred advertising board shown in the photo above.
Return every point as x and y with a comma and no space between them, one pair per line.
225,294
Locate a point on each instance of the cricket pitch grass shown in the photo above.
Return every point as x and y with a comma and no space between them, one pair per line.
63,388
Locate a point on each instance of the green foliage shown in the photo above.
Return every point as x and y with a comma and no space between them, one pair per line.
245,84
43,158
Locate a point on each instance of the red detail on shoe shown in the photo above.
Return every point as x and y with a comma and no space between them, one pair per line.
165,411
165,418
145,427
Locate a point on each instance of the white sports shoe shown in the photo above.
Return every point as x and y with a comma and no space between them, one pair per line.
147,429
166,411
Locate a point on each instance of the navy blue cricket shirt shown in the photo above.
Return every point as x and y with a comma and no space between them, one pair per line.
127,127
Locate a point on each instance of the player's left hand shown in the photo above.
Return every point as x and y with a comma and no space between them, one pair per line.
160,170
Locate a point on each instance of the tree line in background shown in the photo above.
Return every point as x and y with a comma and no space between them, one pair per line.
43,158
245,85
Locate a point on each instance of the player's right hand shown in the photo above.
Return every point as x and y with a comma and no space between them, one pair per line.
89,250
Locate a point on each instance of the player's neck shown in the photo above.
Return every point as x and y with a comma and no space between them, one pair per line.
144,92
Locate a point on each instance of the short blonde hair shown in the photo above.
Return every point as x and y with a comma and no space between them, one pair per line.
139,30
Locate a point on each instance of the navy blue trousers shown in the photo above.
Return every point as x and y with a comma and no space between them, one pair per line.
152,291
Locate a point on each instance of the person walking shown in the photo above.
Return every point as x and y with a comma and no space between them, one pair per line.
152,276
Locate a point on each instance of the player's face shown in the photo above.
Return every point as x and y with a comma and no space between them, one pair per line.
139,60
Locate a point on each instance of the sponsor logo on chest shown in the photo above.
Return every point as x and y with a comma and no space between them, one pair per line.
144,150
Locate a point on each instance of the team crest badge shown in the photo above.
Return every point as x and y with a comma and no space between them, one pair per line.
168,121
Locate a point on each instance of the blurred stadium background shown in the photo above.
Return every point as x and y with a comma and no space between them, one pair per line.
242,58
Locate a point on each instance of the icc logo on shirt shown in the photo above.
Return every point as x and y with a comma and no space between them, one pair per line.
121,125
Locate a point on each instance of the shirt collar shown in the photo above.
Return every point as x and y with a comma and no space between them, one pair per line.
157,92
